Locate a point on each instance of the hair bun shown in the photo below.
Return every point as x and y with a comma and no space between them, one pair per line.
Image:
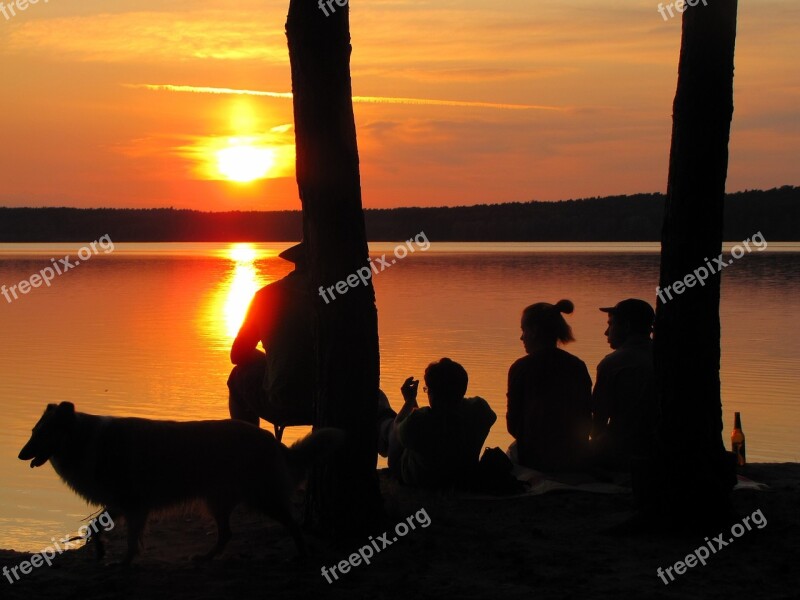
565,306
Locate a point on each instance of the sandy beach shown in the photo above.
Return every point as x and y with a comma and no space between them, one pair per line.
549,546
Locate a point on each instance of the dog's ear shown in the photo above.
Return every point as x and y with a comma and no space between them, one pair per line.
65,410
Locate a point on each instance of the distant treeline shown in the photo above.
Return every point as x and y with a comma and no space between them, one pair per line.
776,213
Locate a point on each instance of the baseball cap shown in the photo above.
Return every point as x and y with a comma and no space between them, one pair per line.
637,312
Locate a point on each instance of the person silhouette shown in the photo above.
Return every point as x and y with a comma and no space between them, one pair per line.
549,394
279,385
441,444
624,408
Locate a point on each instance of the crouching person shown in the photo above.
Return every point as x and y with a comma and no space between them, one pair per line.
277,386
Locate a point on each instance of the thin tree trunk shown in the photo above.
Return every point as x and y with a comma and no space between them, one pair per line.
687,332
344,496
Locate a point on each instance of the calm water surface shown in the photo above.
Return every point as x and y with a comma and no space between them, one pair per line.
146,330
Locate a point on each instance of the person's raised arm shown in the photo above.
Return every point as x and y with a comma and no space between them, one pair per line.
409,391
245,346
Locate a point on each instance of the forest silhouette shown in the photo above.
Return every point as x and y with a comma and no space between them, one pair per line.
636,217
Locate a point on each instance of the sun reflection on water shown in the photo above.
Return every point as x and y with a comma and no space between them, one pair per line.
242,284
226,307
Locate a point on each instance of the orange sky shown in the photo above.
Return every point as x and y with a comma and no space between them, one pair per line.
128,104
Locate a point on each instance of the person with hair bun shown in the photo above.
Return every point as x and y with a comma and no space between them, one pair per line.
549,394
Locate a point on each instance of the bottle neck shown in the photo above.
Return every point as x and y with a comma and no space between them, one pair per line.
737,421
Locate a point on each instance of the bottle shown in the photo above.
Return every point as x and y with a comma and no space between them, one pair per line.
737,441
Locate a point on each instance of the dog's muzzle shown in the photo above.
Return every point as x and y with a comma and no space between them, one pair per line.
38,461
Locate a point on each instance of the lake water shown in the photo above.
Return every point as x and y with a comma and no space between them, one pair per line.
146,330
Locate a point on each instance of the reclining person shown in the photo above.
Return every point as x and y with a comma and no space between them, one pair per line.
441,444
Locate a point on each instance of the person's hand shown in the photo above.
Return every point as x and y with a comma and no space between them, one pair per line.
409,390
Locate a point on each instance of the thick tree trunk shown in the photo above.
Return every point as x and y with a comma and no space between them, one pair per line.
687,333
344,496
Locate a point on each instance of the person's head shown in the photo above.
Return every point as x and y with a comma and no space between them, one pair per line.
446,382
631,317
543,325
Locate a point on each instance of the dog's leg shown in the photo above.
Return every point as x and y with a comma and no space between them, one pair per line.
297,534
283,515
222,515
96,538
136,522
275,502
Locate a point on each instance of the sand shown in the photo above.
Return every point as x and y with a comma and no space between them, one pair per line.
549,546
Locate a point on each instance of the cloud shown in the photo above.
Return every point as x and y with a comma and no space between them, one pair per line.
438,74
198,89
358,99
153,36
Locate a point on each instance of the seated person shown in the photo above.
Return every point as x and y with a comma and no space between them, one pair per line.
623,402
441,444
549,394
278,386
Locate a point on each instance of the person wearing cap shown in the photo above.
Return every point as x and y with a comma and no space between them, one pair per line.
277,386
549,394
623,401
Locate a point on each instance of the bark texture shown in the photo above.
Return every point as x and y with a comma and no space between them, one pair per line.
343,496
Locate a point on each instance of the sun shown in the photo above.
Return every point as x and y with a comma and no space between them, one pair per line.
243,162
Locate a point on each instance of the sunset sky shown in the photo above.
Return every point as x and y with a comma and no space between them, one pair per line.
172,102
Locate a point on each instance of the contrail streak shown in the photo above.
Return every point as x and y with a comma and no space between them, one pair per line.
359,99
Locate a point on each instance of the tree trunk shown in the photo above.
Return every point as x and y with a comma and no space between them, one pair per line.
343,496
687,331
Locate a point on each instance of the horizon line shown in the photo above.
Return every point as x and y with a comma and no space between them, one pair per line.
439,206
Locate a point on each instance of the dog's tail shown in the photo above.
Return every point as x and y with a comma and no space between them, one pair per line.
313,448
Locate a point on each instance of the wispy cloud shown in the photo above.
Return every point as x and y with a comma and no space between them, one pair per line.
360,99
199,89
153,37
